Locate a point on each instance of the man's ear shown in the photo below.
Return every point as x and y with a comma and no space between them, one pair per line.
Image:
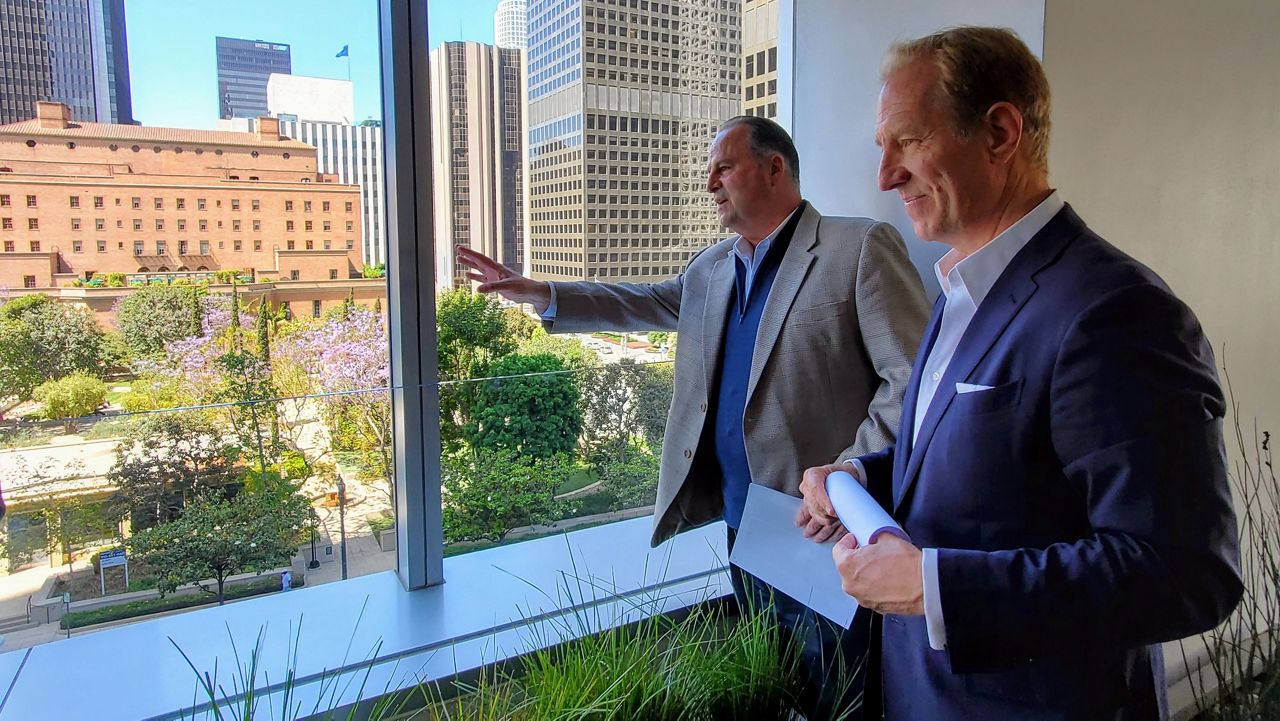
777,168
1004,129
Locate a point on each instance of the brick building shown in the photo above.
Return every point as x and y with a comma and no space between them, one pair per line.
79,199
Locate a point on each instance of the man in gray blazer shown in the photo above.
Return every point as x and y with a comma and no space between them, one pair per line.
796,334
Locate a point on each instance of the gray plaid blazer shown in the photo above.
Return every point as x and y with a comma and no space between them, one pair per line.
832,358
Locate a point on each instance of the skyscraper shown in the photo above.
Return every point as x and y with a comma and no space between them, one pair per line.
623,103
760,58
243,69
509,24
68,51
478,142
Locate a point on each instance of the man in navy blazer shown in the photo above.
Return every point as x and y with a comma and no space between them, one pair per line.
1060,467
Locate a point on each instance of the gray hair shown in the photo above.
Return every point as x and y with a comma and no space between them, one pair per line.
980,67
765,138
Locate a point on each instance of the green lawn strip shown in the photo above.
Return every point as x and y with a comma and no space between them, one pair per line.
580,479
149,606
114,396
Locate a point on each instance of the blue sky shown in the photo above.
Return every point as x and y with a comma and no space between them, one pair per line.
171,55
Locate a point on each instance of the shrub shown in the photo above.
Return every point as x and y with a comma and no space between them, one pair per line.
72,397
381,523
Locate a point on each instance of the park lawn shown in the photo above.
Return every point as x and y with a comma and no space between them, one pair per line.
117,391
581,478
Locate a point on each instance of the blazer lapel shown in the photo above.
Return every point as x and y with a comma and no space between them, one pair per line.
719,287
1009,294
791,273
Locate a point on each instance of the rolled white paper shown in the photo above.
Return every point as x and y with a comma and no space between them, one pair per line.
858,511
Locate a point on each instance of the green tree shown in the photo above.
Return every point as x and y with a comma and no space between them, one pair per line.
64,339
247,389
529,406
216,538
519,324
488,493
575,356
622,402
18,307
633,481
152,316
655,384
163,460
471,333
18,373
72,397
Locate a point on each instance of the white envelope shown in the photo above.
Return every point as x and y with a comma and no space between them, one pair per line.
771,548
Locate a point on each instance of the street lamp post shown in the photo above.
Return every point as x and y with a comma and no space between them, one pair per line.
314,563
342,522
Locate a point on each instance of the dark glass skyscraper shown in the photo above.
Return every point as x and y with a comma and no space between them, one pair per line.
68,51
243,69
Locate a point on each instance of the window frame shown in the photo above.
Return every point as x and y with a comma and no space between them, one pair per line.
411,312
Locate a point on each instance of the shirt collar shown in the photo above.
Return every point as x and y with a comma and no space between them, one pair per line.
977,273
751,256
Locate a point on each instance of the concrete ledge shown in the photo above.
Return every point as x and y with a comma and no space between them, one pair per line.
496,604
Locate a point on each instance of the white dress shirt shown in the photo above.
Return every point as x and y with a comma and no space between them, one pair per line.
965,282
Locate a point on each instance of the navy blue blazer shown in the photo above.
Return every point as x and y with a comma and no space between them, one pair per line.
1080,506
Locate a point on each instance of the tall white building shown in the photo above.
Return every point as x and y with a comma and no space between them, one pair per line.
300,97
477,97
509,22
354,153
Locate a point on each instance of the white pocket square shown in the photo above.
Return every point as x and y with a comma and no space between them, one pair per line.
971,388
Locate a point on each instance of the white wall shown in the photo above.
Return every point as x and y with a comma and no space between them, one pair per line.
829,54
1166,139
307,98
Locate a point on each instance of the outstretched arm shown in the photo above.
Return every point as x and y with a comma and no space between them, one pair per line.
494,277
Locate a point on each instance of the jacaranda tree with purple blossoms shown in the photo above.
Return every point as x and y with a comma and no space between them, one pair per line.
345,362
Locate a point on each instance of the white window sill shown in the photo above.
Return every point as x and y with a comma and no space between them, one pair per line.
495,604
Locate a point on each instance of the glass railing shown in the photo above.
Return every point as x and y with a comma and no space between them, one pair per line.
259,455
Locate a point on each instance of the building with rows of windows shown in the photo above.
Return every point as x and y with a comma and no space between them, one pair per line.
477,138
79,200
69,51
760,58
624,100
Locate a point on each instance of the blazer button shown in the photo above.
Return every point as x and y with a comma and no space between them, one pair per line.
688,453
703,408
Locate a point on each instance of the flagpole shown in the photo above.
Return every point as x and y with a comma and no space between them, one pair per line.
348,66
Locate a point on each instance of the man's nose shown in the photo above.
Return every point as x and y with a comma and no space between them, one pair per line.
891,174
712,182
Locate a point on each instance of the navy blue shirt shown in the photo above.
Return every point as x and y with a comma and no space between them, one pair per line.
729,401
